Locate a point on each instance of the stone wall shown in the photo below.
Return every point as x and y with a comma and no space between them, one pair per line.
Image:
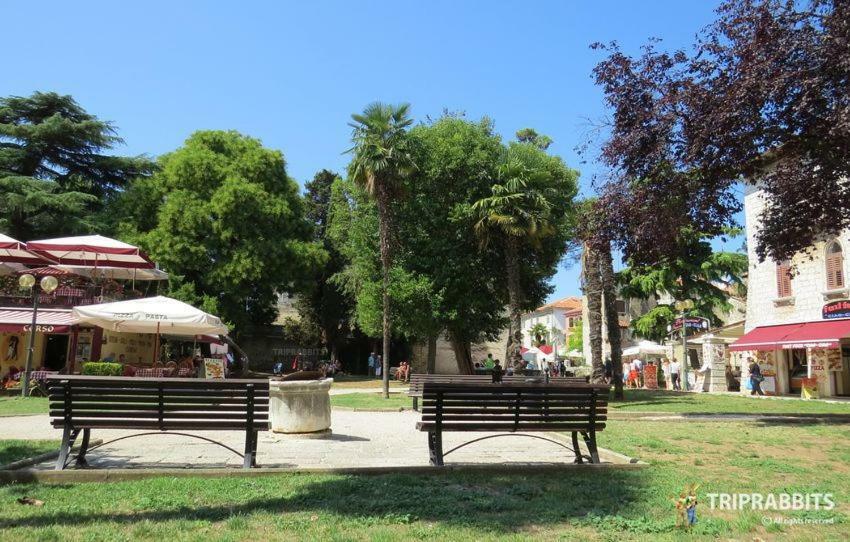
808,284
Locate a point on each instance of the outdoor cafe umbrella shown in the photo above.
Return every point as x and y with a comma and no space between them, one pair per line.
91,251
151,315
13,251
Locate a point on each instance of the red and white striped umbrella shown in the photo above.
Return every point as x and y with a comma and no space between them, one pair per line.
13,251
91,251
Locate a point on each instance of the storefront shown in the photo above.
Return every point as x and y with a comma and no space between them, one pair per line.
794,356
55,339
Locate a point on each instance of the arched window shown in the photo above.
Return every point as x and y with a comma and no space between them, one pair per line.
834,266
783,279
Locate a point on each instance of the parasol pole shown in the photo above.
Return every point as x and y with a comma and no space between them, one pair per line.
156,345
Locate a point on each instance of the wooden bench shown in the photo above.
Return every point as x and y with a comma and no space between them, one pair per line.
418,380
513,408
82,403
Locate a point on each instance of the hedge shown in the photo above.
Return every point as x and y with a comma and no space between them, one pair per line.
103,368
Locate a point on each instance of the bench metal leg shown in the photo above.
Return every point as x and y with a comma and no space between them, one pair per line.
590,441
435,448
68,437
416,404
250,450
84,447
577,449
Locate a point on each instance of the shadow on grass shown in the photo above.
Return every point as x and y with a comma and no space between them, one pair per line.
500,503
21,449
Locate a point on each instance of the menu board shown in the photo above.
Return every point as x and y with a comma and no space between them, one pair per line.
213,368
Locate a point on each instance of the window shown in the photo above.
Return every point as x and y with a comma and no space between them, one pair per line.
621,306
783,279
834,266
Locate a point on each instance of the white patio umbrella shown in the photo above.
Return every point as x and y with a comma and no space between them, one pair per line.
115,273
645,347
150,315
91,251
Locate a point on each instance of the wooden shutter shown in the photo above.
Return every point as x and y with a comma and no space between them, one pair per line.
834,270
783,279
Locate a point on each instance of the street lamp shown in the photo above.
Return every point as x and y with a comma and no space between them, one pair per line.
27,282
684,307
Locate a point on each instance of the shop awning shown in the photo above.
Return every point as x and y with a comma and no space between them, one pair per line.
826,334
48,320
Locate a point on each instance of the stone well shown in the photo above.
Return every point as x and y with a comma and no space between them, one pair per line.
300,406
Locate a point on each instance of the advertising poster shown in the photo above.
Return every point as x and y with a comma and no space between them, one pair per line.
213,368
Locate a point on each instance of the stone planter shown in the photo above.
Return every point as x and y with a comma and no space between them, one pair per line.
300,406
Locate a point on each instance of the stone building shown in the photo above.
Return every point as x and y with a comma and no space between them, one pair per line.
798,314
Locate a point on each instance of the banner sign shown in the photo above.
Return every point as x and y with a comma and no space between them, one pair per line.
836,309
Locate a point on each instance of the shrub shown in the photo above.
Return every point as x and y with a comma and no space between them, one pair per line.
103,368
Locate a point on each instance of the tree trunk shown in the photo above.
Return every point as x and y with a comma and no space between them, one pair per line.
612,320
385,231
593,293
431,364
463,354
513,355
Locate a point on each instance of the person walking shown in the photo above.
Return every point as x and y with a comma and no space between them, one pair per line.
371,364
756,378
609,371
379,366
674,374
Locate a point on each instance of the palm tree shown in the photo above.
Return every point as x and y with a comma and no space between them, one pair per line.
381,162
612,319
592,286
517,211
540,333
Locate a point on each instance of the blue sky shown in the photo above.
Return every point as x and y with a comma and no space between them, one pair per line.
292,73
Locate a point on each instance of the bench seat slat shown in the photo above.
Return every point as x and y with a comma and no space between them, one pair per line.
139,414
509,427
201,425
506,418
167,407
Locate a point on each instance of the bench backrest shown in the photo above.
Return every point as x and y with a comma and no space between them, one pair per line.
417,380
515,407
151,403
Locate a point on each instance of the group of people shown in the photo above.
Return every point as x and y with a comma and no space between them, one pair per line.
634,372
376,367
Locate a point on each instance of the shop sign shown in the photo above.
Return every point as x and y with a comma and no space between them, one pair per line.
38,328
836,309
691,323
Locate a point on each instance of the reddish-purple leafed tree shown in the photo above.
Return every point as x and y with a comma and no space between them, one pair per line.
763,95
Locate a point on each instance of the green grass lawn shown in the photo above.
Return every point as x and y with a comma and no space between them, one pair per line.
644,401
361,381
372,401
667,401
588,505
16,405
13,450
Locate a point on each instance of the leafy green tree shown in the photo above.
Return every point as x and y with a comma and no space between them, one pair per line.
324,303
222,216
530,135
457,160
381,161
54,175
575,342
532,201
696,273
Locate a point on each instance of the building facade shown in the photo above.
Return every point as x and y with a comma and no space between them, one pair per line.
798,314
559,319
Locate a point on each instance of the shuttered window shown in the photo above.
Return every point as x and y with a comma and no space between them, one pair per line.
783,279
834,266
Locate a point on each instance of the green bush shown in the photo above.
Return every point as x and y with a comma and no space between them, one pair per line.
102,368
